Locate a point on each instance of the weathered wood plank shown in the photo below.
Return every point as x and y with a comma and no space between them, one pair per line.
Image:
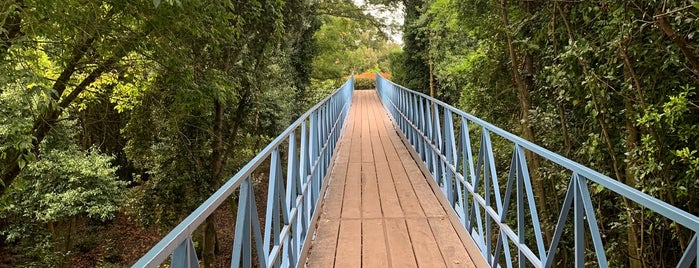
352,199
322,253
371,200
399,245
453,250
349,244
425,246
374,251
390,203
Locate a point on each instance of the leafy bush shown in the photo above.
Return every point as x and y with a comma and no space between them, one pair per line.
364,83
65,185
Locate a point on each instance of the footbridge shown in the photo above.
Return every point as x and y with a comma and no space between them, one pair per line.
394,178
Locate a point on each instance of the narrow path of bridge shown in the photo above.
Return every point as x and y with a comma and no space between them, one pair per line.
379,209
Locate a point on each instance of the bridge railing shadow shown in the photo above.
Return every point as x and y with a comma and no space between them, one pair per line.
298,160
457,148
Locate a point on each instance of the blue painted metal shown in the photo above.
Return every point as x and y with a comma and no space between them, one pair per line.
472,189
290,207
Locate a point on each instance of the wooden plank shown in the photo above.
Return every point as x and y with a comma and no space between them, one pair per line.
374,251
389,198
425,246
377,148
367,120
332,207
376,143
383,121
352,199
371,201
374,112
425,195
343,152
453,250
367,151
404,189
399,245
356,149
389,150
416,193
322,253
349,245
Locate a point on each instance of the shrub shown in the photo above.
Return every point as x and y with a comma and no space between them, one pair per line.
364,83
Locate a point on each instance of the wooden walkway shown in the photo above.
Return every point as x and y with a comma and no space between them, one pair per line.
379,209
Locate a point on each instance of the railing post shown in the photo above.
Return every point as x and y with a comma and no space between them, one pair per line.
291,193
275,204
422,145
467,165
427,156
579,230
247,227
303,173
450,155
185,256
437,143
313,150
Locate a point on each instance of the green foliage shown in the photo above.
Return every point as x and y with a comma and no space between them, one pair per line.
415,60
364,83
66,184
320,89
611,84
200,87
69,183
346,46
347,43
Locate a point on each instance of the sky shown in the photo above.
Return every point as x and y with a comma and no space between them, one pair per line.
392,16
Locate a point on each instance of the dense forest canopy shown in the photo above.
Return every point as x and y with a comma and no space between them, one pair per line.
129,113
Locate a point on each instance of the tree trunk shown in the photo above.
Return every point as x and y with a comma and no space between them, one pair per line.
217,158
564,128
633,234
524,82
634,246
209,242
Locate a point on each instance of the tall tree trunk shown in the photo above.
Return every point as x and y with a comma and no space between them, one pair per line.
524,82
219,155
217,159
209,242
634,234
634,246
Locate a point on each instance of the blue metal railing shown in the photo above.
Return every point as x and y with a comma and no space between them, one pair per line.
428,124
290,208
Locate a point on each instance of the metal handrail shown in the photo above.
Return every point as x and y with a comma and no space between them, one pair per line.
459,175
290,208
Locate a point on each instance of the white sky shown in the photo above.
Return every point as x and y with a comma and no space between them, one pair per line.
389,16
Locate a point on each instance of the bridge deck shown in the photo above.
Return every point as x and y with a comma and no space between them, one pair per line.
380,210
